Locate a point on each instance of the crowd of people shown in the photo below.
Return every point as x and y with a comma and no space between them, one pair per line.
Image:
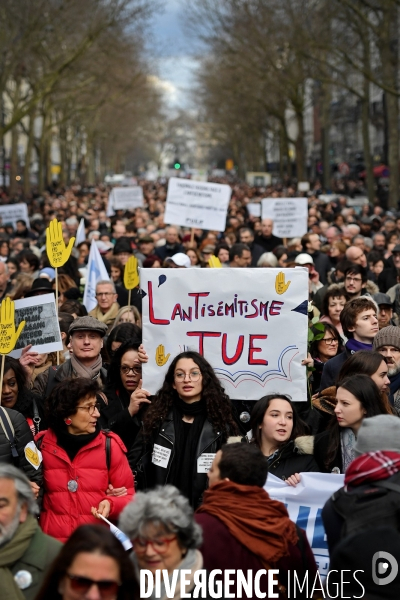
82,440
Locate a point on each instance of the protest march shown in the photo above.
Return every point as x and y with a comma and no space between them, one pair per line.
206,392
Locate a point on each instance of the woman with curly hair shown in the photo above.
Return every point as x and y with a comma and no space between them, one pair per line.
188,421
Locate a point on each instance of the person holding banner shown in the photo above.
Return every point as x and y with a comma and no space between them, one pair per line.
280,434
187,422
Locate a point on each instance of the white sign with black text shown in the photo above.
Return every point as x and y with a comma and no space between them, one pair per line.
290,215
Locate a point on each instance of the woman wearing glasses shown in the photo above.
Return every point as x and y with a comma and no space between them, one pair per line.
187,422
92,564
279,433
322,350
164,535
80,462
126,398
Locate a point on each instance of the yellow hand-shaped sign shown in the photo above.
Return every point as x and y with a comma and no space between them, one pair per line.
280,285
131,277
161,359
8,335
57,252
214,262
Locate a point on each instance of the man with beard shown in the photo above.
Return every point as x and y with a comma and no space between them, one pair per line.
25,551
387,343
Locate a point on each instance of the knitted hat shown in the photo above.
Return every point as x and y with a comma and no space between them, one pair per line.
378,433
387,336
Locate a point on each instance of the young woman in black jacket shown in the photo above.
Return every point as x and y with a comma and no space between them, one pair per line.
279,433
188,421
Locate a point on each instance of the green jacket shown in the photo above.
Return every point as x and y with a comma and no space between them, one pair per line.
41,552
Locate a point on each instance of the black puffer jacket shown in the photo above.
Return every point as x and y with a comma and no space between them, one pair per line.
26,460
294,457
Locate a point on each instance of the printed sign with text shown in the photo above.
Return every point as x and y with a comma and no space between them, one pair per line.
288,214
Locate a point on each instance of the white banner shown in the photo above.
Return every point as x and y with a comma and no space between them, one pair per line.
11,213
196,204
80,233
250,324
96,271
125,198
41,329
303,186
290,215
304,504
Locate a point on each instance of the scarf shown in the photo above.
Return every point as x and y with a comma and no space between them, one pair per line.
347,443
81,370
192,561
394,386
108,317
186,440
354,346
73,443
11,553
262,525
372,466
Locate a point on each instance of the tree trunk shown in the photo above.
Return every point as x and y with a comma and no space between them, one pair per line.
14,160
42,155
28,153
325,100
299,145
370,183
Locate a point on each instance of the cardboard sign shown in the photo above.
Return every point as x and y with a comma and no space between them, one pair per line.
11,213
304,504
42,329
254,209
126,198
250,324
290,215
56,249
8,333
196,204
131,276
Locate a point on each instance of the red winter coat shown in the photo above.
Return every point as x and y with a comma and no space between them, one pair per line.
63,510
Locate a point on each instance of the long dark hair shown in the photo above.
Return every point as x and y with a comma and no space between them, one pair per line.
24,399
367,393
218,404
94,539
114,381
122,333
258,413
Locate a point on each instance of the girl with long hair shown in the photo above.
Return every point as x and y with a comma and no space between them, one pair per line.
188,420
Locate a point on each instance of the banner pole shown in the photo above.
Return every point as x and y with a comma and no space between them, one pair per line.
3,357
129,298
192,236
58,352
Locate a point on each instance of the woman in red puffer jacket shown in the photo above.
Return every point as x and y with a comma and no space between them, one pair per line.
83,467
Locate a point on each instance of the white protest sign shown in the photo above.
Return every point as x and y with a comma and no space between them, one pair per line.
304,504
126,198
258,179
250,324
290,215
197,204
254,209
11,213
41,329
303,186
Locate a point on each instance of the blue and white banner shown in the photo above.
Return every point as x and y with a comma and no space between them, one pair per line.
96,271
304,504
80,233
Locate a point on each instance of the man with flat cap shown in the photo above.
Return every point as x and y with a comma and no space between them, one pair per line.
385,314
86,340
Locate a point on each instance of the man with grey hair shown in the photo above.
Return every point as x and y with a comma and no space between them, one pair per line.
107,306
25,551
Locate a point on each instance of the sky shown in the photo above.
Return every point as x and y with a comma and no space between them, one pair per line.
175,55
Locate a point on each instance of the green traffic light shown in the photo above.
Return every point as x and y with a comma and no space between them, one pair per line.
177,165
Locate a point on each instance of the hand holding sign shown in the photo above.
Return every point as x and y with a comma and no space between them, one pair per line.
131,276
161,359
8,334
214,262
57,251
280,285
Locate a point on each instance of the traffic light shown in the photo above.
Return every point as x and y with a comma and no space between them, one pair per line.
177,165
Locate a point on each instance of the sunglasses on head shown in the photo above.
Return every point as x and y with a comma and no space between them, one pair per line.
107,589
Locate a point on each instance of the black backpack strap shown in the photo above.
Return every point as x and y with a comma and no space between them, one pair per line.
51,380
6,425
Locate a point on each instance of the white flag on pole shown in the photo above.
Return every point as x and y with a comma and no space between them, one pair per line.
96,271
80,233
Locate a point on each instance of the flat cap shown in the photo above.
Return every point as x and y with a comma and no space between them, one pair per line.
88,324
